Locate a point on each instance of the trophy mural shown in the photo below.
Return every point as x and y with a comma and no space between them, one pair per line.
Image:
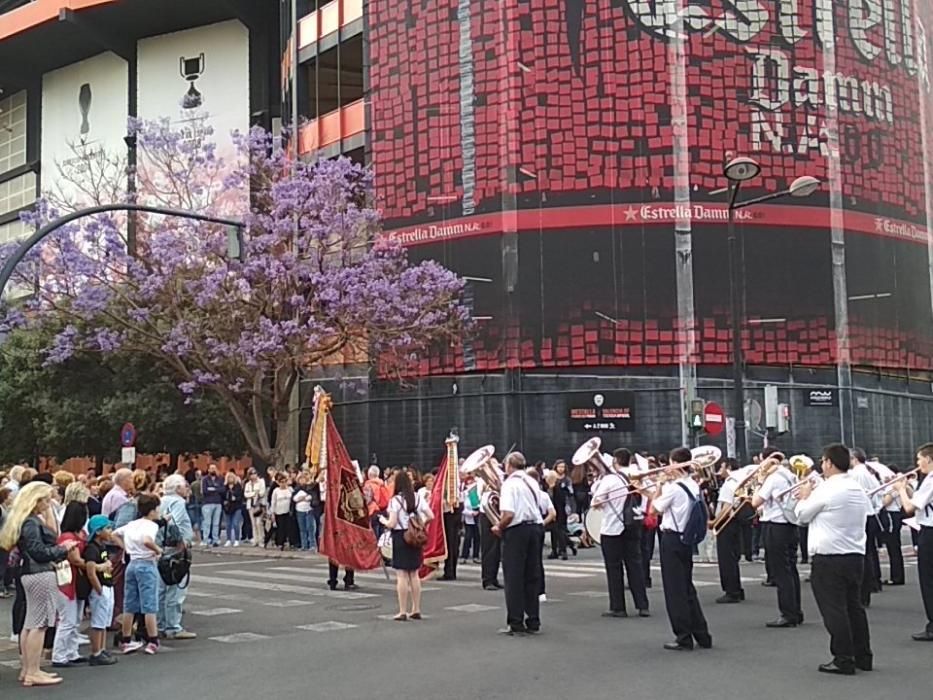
84,104
191,69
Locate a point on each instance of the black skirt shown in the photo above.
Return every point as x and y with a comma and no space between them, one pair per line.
404,556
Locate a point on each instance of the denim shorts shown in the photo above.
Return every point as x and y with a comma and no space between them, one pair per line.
101,608
141,594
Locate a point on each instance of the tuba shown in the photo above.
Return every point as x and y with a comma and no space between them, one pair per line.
801,466
480,464
588,454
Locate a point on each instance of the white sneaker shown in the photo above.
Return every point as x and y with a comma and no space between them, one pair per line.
227,543
83,640
542,598
14,638
236,544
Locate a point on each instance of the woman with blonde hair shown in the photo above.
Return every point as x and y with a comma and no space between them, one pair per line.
24,528
76,492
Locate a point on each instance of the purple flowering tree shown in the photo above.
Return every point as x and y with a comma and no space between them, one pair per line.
315,284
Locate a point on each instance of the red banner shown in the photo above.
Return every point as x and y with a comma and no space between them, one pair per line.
435,550
348,538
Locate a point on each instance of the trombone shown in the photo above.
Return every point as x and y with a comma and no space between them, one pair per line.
745,491
888,484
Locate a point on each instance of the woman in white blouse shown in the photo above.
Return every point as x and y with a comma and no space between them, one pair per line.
406,560
281,507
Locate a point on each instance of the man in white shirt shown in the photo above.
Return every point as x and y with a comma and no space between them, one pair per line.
921,505
869,479
835,512
891,523
521,529
620,537
729,540
674,501
781,542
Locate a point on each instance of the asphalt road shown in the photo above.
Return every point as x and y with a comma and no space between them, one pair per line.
269,628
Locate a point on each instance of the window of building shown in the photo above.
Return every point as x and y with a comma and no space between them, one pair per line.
12,132
332,80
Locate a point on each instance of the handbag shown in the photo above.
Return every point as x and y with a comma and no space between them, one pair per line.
416,535
63,574
175,567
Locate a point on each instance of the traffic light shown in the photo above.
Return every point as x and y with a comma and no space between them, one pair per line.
697,421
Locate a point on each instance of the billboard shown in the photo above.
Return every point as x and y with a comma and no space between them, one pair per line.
198,79
582,110
84,108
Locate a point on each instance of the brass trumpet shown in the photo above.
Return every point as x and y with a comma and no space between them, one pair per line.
888,484
703,460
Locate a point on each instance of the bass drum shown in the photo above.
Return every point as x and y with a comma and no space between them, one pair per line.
593,522
385,544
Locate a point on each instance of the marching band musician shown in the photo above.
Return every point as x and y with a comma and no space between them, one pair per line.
674,500
729,540
490,544
891,520
780,540
921,504
869,482
549,513
620,538
521,529
453,521
835,512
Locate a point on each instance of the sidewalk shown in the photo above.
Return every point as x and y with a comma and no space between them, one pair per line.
249,551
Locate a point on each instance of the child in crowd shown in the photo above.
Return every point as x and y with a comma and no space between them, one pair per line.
99,568
141,592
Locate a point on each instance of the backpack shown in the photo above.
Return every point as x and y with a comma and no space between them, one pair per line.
416,535
377,496
175,565
697,523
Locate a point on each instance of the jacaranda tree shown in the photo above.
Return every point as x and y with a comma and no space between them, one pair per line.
315,284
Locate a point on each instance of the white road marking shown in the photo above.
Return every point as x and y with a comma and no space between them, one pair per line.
239,637
212,612
305,577
239,562
283,588
472,608
330,626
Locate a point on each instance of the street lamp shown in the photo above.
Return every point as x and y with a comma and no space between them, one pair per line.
739,170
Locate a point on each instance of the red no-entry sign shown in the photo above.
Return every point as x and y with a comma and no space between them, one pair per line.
714,418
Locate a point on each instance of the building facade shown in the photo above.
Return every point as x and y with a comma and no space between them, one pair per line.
566,159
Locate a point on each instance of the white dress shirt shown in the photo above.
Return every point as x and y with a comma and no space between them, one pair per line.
922,500
520,497
835,513
674,504
868,482
609,494
779,480
638,508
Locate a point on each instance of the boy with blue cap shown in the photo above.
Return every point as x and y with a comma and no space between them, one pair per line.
99,574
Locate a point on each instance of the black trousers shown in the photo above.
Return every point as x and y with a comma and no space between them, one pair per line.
491,547
452,522
763,539
837,581
333,569
728,553
634,564
680,595
648,537
871,575
745,531
521,568
781,552
621,555
470,541
925,572
803,533
892,542
559,534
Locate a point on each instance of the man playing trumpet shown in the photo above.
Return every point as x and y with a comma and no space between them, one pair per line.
921,504
780,539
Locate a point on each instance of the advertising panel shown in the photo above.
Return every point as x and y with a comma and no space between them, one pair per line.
84,108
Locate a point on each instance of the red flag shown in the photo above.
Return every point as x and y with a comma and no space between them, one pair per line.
348,538
435,550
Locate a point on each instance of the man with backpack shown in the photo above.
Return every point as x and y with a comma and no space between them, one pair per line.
176,536
683,526
376,495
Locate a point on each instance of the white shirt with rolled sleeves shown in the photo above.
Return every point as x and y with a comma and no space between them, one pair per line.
733,481
609,495
864,478
835,514
519,497
674,505
779,480
922,500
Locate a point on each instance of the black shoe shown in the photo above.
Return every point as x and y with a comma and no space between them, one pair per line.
729,598
350,587
532,630
864,663
332,586
510,632
832,667
65,664
768,584
497,585
647,583
614,613
893,583
781,622
705,642
563,557
742,595
445,577
800,619
102,660
644,613
677,646
922,637
552,555
490,587
80,660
